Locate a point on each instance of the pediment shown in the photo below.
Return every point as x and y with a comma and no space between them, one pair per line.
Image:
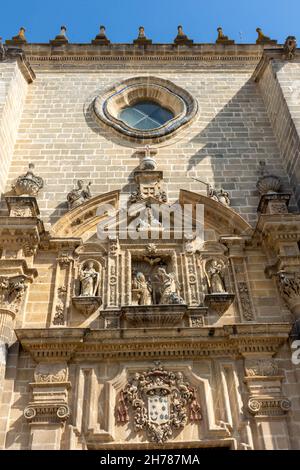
218,217
83,220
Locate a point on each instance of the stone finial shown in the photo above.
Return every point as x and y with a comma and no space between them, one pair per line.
262,39
267,183
148,162
19,38
28,184
101,38
290,47
222,39
2,50
61,38
181,38
142,39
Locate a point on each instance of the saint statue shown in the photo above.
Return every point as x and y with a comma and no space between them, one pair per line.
169,288
89,280
143,289
214,272
79,195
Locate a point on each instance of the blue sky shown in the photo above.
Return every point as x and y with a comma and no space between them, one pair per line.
200,18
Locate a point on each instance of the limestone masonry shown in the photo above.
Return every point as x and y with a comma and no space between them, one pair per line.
157,341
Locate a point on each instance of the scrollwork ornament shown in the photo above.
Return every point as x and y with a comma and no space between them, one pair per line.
254,406
29,412
285,404
63,412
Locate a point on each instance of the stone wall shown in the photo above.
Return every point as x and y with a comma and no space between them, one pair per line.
223,146
280,88
13,89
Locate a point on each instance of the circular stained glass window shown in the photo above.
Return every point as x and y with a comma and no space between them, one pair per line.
145,115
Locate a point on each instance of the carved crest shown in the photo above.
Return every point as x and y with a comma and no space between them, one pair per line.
161,402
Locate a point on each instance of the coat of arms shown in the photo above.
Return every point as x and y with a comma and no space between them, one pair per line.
161,402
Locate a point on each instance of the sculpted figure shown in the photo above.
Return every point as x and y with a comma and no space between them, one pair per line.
290,47
89,280
214,272
144,289
79,195
169,288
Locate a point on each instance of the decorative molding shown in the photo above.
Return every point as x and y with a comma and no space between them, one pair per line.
232,340
289,288
268,406
49,402
49,373
261,367
245,301
12,289
106,107
59,317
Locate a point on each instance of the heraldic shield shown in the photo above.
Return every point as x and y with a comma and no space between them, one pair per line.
158,408
160,403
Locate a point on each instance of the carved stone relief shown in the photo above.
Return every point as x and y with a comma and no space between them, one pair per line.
12,290
159,402
289,288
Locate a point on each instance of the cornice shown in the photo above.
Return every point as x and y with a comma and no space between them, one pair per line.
117,54
267,57
169,343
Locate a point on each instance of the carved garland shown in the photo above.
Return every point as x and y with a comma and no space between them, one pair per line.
162,402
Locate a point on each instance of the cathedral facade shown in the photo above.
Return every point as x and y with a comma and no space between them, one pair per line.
149,244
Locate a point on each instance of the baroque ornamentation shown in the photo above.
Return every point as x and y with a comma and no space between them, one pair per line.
107,106
289,288
49,373
268,406
46,413
101,38
262,39
245,301
222,39
29,183
181,38
64,259
12,290
290,47
79,195
59,317
162,402
261,367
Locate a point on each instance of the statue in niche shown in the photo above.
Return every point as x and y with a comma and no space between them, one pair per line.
143,289
79,195
169,288
89,280
215,276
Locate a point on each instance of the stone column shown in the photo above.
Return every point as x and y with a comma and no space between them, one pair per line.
48,411
266,402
